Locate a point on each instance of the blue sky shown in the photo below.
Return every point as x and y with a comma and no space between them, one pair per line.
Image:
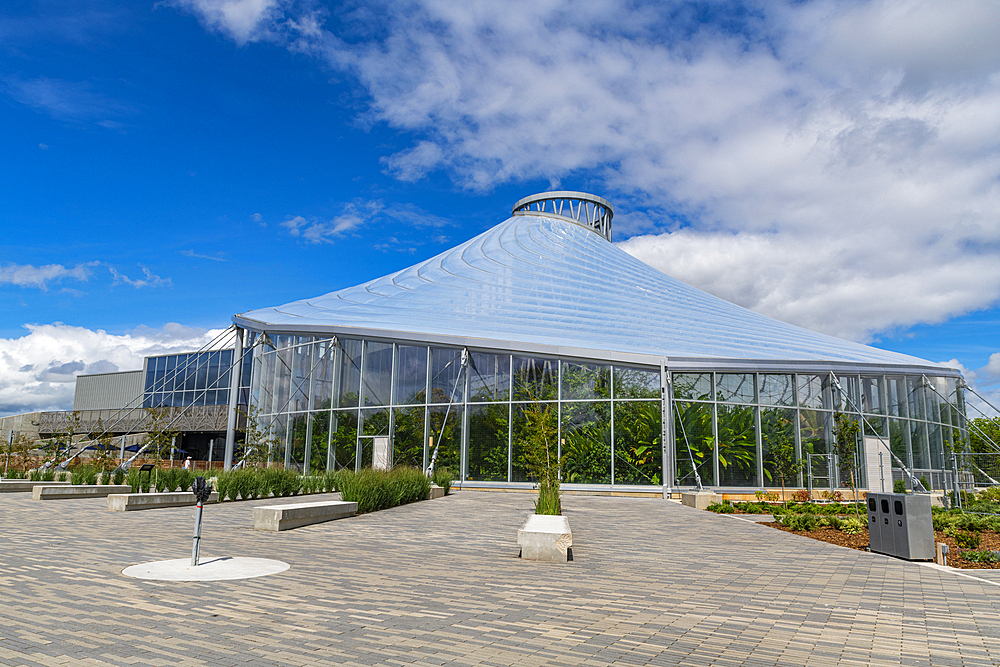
168,164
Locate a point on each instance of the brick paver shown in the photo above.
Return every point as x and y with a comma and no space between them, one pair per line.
439,583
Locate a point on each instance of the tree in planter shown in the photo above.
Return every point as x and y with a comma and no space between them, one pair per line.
258,441
784,465
58,447
846,432
541,455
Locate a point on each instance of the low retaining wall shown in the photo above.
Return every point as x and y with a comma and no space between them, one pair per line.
286,517
128,502
24,485
49,492
547,538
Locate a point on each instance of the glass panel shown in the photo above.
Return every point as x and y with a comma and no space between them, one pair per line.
737,445
735,387
636,383
301,365
638,450
850,396
811,391
298,441
776,390
871,395
695,442
697,386
874,425
345,438
448,441
586,442
896,387
320,433
488,433
411,375
899,438
378,373
919,445
446,367
489,379
585,381
408,440
777,429
936,445
522,434
323,379
376,421
915,397
815,432
535,379
350,375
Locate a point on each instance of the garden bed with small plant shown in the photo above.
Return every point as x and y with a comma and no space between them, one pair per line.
973,538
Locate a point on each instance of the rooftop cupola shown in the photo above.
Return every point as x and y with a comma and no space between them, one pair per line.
584,209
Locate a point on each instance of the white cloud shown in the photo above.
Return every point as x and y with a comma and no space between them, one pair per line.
195,255
38,370
358,214
831,163
67,101
242,20
27,275
149,278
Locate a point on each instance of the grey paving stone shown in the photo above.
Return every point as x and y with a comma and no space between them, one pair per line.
439,583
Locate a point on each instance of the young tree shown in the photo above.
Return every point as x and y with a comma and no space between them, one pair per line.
846,431
159,438
541,455
258,441
783,461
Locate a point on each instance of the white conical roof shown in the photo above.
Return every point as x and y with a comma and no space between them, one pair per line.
549,281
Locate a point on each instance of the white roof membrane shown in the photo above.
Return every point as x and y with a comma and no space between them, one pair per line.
551,282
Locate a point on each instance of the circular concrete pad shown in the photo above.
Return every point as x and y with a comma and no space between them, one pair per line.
208,569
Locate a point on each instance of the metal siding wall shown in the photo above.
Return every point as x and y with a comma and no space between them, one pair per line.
108,391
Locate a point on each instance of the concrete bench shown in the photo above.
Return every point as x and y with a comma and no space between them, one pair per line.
24,485
129,502
49,492
286,517
547,538
700,499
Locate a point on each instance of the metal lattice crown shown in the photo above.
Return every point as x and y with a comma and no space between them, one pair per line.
584,209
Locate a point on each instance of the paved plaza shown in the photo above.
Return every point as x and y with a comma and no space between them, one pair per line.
439,583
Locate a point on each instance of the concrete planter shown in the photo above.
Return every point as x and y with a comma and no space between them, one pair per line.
61,492
546,538
285,517
129,502
436,492
24,485
700,499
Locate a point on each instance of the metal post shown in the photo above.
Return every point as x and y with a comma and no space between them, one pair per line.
202,491
173,443
881,474
211,446
809,474
123,450
236,371
957,486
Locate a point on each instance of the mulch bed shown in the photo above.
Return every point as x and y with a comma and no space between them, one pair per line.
990,540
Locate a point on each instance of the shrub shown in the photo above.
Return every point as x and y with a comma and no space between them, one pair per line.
222,485
132,479
35,475
802,496
48,476
804,522
835,496
721,508
548,498
968,540
899,486
375,490
443,478
828,521
183,479
119,477
980,556
853,526
923,480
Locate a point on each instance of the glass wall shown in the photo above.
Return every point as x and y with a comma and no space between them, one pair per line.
193,378
326,400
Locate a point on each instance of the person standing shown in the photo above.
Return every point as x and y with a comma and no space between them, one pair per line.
187,463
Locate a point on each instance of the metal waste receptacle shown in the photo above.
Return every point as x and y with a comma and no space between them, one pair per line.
886,537
874,529
912,526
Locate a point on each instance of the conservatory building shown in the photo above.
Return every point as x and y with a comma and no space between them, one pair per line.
652,385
